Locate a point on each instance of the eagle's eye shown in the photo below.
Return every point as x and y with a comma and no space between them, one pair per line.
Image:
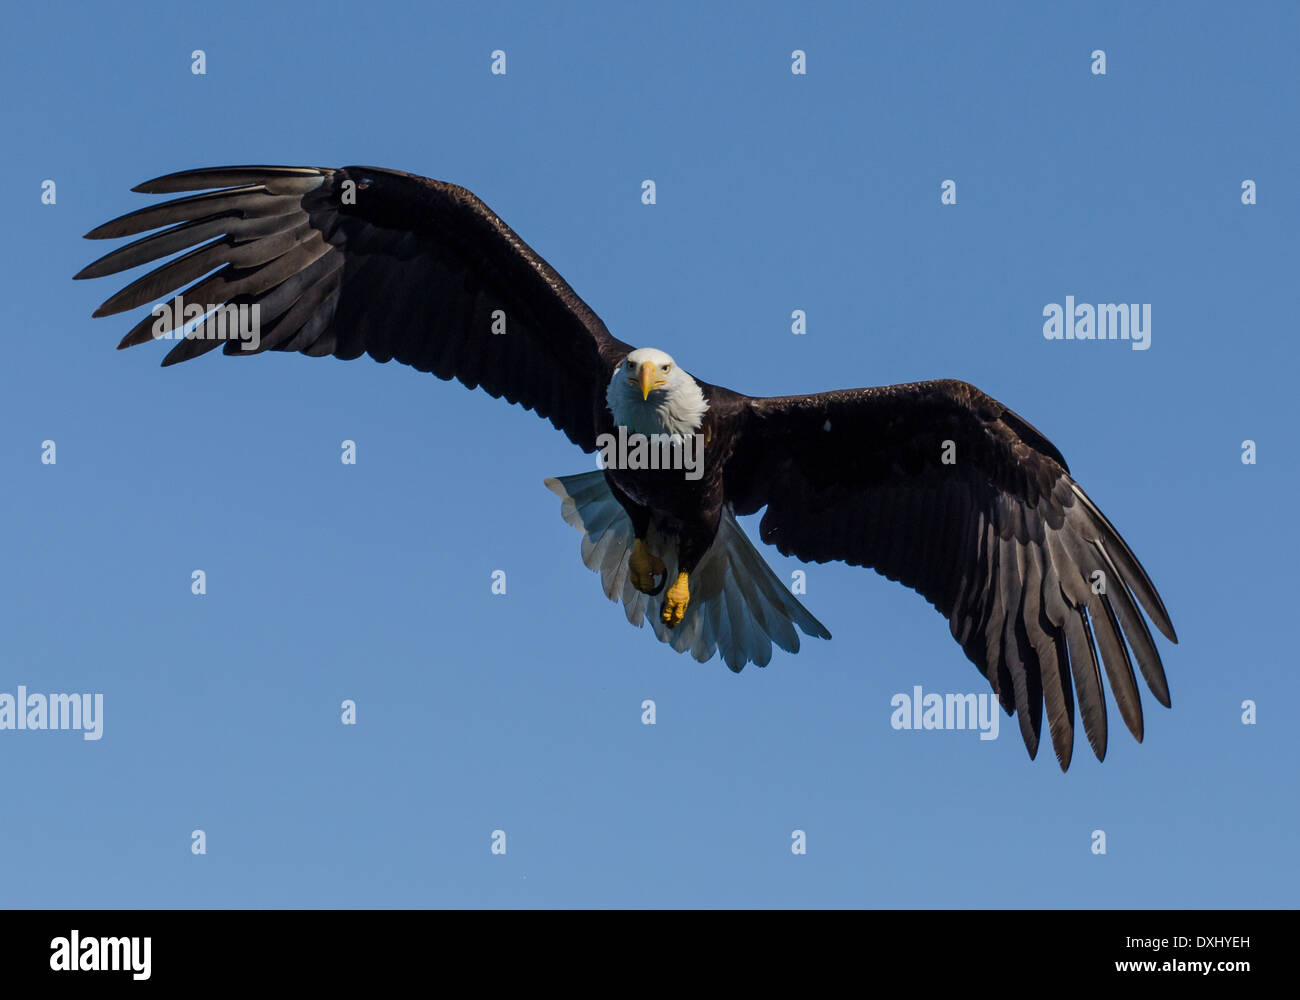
665,368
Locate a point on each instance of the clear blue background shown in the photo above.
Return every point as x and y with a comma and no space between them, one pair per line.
522,712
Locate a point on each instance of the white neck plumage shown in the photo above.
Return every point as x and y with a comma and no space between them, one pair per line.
677,408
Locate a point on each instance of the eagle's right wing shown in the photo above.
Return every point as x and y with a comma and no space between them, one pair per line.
361,260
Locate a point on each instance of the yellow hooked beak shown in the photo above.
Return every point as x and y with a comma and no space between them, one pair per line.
650,379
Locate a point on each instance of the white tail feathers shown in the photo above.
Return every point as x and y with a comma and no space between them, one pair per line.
738,606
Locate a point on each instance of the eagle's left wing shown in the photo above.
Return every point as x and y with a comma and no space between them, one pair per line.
942,488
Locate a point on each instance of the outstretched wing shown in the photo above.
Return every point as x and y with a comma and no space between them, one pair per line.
942,488
361,260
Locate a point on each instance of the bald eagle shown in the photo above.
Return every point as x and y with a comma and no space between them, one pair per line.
933,484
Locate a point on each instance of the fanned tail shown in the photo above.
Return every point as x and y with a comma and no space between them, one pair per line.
738,608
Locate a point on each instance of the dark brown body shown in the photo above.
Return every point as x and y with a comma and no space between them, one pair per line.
687,509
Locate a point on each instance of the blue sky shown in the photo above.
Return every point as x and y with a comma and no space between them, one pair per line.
522,712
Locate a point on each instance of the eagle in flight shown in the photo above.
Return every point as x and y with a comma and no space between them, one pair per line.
933,484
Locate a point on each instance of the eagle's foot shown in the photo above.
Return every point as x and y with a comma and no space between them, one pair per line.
675,601
644,567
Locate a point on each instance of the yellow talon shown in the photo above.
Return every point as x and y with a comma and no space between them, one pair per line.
644,567
675,601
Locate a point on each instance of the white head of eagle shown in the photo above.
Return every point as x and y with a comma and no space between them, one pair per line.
649,394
